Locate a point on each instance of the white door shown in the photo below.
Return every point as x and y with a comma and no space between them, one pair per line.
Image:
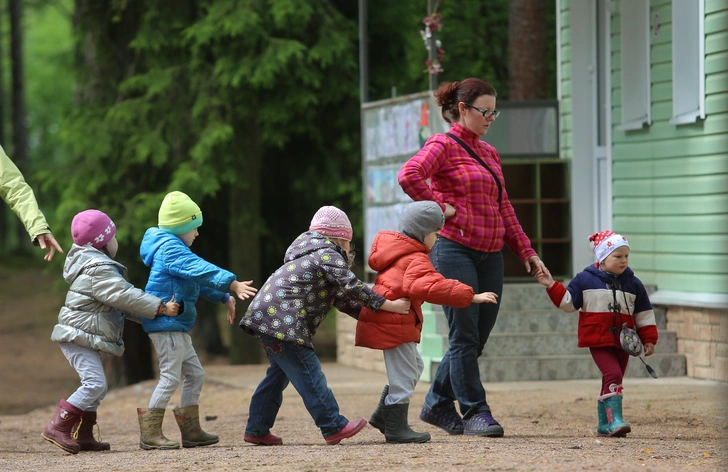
602,118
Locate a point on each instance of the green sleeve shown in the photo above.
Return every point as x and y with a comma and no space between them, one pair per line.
18,194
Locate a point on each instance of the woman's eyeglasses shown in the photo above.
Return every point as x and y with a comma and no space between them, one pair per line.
485,113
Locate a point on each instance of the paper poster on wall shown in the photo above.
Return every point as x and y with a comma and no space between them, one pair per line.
378,219
393,131
383,186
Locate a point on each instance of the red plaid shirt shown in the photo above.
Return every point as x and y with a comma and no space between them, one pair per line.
458,179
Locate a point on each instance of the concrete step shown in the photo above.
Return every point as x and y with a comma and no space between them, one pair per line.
529,368
522,321
533,344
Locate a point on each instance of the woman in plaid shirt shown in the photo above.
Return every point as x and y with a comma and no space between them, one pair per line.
479,220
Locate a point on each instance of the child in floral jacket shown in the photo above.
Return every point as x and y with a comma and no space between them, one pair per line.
285,315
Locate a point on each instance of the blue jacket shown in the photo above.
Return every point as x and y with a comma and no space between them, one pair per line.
175,269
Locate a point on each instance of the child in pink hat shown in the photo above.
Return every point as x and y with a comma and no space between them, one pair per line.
285,315
91,321
607,296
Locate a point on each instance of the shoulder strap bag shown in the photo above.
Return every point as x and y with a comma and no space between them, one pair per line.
477,158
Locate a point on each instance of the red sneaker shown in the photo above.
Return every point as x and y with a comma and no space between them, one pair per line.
267,440
347,431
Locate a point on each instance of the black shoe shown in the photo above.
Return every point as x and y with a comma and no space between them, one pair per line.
449,420
483,424
397,428
377,420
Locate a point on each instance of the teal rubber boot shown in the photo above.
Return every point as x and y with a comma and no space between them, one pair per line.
603,428
617,426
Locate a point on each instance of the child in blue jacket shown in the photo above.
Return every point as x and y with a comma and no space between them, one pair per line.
176,269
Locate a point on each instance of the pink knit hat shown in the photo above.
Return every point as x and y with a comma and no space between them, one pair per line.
605,242
94,227
332,222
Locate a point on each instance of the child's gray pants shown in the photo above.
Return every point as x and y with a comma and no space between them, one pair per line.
87,363
177,361
404,368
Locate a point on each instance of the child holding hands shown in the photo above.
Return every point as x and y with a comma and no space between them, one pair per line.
285,315
91,321
607,295
405,271
176,269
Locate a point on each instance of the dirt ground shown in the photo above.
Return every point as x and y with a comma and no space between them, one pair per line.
678,423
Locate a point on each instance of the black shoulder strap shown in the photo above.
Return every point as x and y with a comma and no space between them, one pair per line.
477,158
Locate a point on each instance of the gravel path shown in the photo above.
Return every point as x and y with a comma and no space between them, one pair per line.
678,424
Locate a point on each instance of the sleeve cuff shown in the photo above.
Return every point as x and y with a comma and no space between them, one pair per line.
225,298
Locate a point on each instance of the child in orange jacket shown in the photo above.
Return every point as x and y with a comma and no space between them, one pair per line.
405,271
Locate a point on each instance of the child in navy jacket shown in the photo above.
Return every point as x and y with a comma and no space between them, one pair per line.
607,294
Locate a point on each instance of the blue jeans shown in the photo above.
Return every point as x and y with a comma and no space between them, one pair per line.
458,376
300,366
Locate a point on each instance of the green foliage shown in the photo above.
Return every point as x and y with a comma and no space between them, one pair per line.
474,36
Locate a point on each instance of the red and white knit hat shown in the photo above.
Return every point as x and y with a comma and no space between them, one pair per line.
605,242
331,222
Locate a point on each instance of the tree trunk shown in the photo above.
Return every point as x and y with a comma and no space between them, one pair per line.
212,245
20,134
244,237
527,50
101,56
3,208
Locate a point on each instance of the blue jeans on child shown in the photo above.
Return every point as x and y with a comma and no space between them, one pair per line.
300,366
458,375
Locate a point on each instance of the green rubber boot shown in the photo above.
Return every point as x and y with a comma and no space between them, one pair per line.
603,428
617,426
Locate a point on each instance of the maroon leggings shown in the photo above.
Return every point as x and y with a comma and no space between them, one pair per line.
612,362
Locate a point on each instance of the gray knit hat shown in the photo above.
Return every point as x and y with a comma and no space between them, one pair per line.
418,219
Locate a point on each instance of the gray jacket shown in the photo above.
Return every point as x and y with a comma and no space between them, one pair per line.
98,301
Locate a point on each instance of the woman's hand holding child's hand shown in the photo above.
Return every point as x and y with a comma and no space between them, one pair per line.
535,266
649,349
172,307
545,279
485,297
231,309
243,289
401,306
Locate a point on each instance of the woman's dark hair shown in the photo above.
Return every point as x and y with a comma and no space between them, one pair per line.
449,94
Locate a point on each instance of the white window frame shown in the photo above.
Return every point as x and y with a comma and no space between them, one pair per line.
634,19
688,61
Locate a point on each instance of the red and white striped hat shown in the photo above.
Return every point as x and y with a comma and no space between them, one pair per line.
605,242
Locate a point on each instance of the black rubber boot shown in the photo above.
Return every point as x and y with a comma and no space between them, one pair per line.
377,420
397,429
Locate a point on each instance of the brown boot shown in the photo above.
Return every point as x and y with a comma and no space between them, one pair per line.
150,424
188,419
85,437
61,427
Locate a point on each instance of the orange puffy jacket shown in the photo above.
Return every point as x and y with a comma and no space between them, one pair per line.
404,271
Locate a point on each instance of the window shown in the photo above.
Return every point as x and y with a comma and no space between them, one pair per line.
688,61
635,50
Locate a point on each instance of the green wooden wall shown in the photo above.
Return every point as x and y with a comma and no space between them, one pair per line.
565,79
670,183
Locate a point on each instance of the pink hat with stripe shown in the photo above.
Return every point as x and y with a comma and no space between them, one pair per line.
92,227
332,222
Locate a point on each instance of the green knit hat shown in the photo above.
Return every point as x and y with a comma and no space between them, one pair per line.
179,214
